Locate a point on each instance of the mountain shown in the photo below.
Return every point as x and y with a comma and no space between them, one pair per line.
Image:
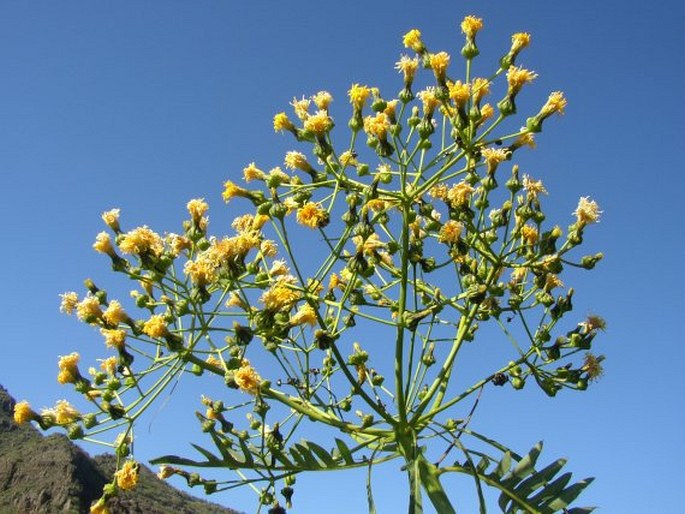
51,474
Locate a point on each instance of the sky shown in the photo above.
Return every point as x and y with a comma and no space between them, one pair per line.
145,105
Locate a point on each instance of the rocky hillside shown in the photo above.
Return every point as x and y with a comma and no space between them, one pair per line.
51,474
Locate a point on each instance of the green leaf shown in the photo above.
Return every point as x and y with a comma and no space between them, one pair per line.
503,466
568,495
539,478
208,455
321,453
345,452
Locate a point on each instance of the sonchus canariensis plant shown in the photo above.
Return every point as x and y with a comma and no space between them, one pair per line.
428,236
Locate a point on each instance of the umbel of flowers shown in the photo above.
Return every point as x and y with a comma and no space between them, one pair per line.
429,233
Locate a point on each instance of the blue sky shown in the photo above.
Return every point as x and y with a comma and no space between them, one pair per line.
144,105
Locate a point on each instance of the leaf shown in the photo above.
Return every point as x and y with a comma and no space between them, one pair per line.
503,465
539,478
208,455
552,489
321,453
345,452
568,495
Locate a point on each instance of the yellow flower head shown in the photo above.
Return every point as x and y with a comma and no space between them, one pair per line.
407,66
197,208
141,241
555,103
429,100
65,413
268,248
494,156
439,63
480,88
234,300
486,112
247,379
297,161
305,314
201,271
552,281
282,122
517,77
459,194
23,412
319,123
412,40
127,476
68,368
109,365
155,326
279,268
533,187
470,26
301,108
177,243
312,215
358,95
529,234
525,139
114,338
69,302
88,309
111,219
587,211
450,232
114,314
519,41
368,246
322,99
460,93
348,158
280,296
377,125
103,244
231,190
592,365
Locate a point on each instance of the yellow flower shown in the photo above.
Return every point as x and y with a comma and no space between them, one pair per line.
319,123
231,190
155,326
412,39
296,160
486,112
88,309
201,271
305,314
301,108
252,172
197,208
141,241
23,412
213,361
358,95
525,139
69,302
439,63
103,244
247,379
99,507
407,66
65,413
494,156
450,232
471,25
587,211
460,93
68,368
377,125
519,41
348,158
268,248
517,77
593,322
114,314
459,194
177,243
552,281
281,295
529,234
438,191
480,88
322,99
114,338
368,246
429,100
282,122
533,187
109,365
279,268
312,215
234,300
592,365
518,275
111,219
127,476
555,103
